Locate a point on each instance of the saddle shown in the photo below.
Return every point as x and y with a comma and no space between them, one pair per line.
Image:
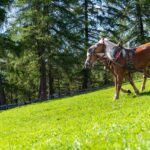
127,54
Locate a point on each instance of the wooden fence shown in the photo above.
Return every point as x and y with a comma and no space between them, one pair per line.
55,96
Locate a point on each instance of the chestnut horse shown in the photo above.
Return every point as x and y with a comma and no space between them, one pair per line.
141,60
109,66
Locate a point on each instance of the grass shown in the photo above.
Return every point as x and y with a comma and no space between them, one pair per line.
88,121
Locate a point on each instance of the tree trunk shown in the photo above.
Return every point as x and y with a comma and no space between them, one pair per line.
105,77
86,76
51,81
140,22
86,72
42,86
86,23
2,94
41,52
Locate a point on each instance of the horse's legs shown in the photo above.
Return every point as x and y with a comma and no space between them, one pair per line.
112,71
144,80
118,83
133,85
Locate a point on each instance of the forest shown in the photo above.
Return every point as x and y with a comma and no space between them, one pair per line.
43,43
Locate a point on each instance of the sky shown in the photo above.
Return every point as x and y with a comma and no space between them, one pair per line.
11,15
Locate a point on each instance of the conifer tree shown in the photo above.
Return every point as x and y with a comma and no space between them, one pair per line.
3,6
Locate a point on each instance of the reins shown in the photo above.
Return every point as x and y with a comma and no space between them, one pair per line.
104,59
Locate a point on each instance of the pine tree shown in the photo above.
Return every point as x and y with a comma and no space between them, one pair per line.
44,30
3,6
126,21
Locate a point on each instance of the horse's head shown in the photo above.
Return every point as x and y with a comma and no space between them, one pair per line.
92,54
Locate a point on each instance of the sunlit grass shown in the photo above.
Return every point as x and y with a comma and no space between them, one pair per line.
88,121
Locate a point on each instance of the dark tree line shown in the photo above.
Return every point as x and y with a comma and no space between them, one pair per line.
44,47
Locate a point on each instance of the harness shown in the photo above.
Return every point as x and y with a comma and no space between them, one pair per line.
116,53
113,57
128,54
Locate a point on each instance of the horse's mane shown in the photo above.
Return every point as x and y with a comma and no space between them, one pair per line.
109,46
107,42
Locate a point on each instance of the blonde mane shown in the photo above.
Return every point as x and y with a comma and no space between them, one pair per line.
109,47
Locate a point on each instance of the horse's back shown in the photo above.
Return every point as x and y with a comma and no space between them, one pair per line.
144,46
142,55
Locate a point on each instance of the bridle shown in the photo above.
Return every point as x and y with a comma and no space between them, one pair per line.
98,55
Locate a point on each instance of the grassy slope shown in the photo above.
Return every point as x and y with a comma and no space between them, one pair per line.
89,121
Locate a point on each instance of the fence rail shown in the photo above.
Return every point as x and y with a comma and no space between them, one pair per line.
56,96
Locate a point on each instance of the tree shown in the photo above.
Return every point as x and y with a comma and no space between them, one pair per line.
126,21
52,34
3,6
91,11
44,49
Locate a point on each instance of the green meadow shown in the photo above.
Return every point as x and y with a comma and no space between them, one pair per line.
88,121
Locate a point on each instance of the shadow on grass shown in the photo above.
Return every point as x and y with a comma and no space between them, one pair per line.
147,93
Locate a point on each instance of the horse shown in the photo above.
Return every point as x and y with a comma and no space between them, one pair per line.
107,63
140,61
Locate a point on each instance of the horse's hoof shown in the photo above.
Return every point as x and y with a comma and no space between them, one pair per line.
116,98
142,89
137,93
129,92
